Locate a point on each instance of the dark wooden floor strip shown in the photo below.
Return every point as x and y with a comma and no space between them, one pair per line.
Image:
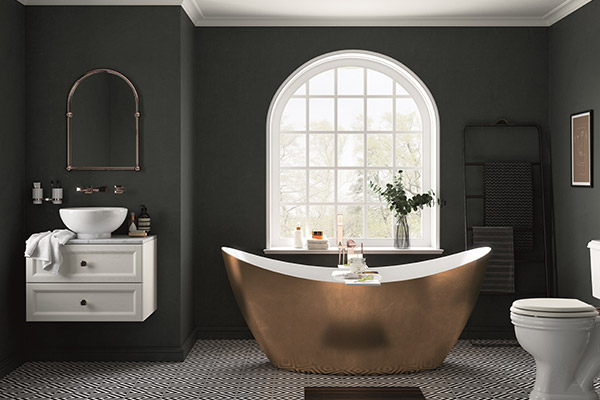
362,393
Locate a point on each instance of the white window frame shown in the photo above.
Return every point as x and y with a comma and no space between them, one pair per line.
430,134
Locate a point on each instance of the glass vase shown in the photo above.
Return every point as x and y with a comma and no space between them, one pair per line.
401,233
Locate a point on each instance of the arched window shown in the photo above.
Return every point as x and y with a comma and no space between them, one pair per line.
339,121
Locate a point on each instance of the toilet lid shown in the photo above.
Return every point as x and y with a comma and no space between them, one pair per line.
554,308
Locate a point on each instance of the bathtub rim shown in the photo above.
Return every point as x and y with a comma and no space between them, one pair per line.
393,273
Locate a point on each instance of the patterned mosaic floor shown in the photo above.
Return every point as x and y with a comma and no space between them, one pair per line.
237,369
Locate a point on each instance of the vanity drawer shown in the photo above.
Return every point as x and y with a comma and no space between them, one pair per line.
84,302
92,263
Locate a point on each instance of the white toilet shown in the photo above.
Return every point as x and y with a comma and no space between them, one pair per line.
563,336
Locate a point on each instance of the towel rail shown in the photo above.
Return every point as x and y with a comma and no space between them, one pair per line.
512,138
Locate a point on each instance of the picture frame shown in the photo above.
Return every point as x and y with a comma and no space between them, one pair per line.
581,149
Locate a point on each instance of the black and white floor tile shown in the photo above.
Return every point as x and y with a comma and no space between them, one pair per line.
237,369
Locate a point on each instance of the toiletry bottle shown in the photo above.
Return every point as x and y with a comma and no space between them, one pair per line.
132,227
298,237
37,193
144,220
57,193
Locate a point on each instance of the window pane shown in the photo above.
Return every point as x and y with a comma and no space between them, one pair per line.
379,114
321,84
408,117
290,217
408,150
412,180
321,114
379,222
320,218
380,177
351,80
350,186
400,90
378,83
351,115
321,186
322,150
292,150
292,185
294,116
415,224
301,91
351,150
379,150
353,221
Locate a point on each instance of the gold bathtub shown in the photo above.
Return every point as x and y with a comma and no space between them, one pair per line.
306,321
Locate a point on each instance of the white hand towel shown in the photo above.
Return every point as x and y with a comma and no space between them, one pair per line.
45,246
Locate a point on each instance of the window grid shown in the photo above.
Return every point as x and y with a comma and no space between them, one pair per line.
365,168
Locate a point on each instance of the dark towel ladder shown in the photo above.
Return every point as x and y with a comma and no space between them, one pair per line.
470,163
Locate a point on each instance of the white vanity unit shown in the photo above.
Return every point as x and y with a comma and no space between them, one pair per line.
111,279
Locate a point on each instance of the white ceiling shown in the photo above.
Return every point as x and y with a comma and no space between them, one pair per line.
357,12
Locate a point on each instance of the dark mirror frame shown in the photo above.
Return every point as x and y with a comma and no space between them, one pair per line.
71,167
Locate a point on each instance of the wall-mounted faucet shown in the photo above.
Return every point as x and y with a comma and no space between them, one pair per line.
90,189
119,189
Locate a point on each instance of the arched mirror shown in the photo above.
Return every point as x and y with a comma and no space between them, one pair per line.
103,123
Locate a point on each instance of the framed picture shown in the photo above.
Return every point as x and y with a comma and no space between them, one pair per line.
581,149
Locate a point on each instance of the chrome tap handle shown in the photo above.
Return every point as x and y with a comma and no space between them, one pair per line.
119,189
85,189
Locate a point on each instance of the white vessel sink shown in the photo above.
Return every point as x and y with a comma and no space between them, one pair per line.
93,222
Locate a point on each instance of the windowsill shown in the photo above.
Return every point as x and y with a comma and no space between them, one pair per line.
367,250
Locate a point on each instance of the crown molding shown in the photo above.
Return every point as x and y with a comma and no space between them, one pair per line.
193,10
563,10
103,2
374,22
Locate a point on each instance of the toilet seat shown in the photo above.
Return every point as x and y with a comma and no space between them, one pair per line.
553,308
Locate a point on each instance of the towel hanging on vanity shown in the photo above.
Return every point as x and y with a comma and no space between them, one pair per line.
45,246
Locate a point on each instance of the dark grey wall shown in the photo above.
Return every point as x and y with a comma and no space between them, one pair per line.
187,159
205,93
474,74
12,164
574,87
143,43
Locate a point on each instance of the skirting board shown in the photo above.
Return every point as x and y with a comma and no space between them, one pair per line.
220,332
107,353
9,364
114,353
189,343
242,332
488,332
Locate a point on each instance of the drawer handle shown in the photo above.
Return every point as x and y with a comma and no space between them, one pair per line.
83,302
84,263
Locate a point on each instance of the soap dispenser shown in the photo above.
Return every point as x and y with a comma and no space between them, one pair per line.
37,193
144,220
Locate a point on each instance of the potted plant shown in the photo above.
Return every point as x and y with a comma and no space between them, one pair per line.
401,205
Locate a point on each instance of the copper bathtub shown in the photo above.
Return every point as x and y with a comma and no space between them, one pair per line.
306,321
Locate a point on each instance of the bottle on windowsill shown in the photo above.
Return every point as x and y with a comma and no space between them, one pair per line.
298,241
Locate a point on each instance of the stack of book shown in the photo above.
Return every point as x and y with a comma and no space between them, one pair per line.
317,244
